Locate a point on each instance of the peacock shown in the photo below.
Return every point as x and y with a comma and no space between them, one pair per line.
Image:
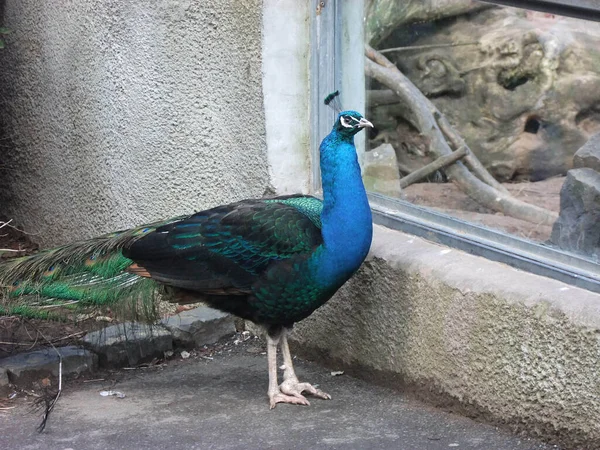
272,261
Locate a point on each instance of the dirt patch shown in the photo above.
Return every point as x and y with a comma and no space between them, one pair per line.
447,198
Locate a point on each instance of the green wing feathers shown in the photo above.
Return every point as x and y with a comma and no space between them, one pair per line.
222,251
85,275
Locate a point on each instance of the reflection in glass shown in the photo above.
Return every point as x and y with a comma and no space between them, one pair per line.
521,88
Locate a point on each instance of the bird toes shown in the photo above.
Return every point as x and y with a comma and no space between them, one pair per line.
294,399
293,387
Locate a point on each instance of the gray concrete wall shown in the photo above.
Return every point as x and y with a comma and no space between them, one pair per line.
497,343
117,112
286,90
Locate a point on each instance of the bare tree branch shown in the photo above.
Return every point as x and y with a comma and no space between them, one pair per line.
471,160
438,164
423,47
421,116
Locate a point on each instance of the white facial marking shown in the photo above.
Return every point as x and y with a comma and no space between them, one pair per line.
345,123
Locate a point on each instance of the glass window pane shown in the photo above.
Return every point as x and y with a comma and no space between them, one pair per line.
517,91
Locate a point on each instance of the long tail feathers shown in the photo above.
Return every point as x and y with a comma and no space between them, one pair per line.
86,275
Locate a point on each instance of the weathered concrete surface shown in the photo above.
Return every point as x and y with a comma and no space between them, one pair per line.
26,368
116,113
129,343
286,92
507,345
199,326
222,405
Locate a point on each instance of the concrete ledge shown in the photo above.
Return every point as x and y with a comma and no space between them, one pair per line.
504,345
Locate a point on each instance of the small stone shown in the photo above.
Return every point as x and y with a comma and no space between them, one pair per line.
199,326
129,343
185,355
254,350
589,154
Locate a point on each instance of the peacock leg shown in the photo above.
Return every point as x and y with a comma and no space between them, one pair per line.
275,394
291,385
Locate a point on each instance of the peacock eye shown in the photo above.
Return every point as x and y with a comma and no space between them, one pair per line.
346,121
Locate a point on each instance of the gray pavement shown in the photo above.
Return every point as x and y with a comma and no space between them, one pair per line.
221,404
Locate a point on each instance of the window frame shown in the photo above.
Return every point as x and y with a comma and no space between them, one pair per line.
326,68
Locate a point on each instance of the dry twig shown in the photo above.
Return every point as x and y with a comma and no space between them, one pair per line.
49,399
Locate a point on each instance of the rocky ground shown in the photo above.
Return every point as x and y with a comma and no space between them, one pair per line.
119,345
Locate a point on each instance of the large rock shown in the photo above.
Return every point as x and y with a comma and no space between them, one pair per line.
129,343
26,368
523,91
380,171
589,155
199,326
577,228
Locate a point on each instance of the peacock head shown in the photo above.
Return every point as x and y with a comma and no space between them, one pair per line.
349,123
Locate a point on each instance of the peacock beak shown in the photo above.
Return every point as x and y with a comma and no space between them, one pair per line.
364,123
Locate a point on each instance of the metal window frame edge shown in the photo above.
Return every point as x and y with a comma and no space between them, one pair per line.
580,9
427,223
324,66
481,241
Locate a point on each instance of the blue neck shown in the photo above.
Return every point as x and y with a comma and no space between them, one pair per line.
346,218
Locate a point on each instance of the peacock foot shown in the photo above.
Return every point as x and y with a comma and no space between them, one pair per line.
279,397
293,387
